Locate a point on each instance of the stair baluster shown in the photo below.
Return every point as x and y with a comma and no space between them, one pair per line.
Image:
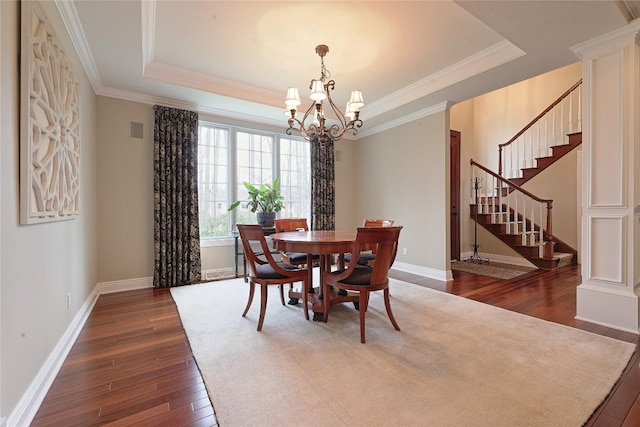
513,155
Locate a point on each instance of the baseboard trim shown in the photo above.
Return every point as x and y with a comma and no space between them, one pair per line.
608,307
430,273
124,285
27,407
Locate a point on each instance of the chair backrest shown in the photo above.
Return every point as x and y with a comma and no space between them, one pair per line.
253,233
378,222
385,242
290,224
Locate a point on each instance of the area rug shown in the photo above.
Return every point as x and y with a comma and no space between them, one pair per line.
456,362
487,270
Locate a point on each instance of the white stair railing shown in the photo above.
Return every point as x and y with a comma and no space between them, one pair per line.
520,212
550,128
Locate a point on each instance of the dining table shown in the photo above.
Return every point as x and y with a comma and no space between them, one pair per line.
326,244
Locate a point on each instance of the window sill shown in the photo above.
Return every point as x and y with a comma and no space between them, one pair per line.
223,241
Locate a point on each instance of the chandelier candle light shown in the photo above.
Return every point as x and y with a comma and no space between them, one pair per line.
321,90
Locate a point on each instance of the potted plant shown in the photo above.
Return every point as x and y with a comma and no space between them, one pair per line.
265,200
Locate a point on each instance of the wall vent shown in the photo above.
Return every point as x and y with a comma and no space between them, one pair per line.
136,130
218,274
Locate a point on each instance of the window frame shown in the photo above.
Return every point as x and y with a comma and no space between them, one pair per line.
232,172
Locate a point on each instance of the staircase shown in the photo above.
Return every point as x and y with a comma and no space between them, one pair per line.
541,163
520,219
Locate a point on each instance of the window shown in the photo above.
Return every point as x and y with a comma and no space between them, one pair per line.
213,181
295,178
228,156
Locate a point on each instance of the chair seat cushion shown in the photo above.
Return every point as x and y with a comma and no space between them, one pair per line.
359,276
299,256
363,259
265,271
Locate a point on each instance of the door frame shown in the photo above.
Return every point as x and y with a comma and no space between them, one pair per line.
454,193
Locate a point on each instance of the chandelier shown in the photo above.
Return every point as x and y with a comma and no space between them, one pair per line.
320,91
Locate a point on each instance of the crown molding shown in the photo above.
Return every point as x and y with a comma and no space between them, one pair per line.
200,81
203,109
148,24
487,59
443,106
630,31
630,9
69,16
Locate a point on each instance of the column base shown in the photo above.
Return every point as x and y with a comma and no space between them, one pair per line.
608,307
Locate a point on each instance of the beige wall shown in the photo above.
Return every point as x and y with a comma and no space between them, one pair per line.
347,190
402,174
40,263
559,184
125,186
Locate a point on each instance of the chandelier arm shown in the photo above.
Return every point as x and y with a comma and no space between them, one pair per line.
336,131
341,118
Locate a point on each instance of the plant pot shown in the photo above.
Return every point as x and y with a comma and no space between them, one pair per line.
265,219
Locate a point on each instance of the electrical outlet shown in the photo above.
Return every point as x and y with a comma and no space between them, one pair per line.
69,301
404,251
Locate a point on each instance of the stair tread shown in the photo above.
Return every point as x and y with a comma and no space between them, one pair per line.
558,255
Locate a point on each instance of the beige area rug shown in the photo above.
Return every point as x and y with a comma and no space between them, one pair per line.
456,362
487,270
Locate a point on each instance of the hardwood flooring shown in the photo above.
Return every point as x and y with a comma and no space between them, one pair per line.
132,364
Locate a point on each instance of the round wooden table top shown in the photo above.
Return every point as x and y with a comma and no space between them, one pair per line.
314,242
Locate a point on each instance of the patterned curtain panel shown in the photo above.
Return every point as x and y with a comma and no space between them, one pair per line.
323,190
175,193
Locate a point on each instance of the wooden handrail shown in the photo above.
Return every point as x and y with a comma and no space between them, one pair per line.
511,184
532,122
549,202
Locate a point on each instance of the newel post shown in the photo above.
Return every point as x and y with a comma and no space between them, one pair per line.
547,250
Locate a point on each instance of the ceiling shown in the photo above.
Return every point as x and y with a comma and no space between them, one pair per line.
410,58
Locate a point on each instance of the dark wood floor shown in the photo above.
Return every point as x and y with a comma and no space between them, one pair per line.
132,364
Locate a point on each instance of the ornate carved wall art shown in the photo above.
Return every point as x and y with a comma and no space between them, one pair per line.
49,124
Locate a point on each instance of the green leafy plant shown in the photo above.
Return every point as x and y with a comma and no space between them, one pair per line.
265,198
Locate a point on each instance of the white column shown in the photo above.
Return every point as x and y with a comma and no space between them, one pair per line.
608,294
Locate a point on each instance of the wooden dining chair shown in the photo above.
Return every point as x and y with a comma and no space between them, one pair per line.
368,257
294,224
365,279
267,271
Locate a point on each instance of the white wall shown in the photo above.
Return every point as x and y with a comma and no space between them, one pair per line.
40,263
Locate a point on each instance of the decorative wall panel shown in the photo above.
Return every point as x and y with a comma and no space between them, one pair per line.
608,234
607,147
49,123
